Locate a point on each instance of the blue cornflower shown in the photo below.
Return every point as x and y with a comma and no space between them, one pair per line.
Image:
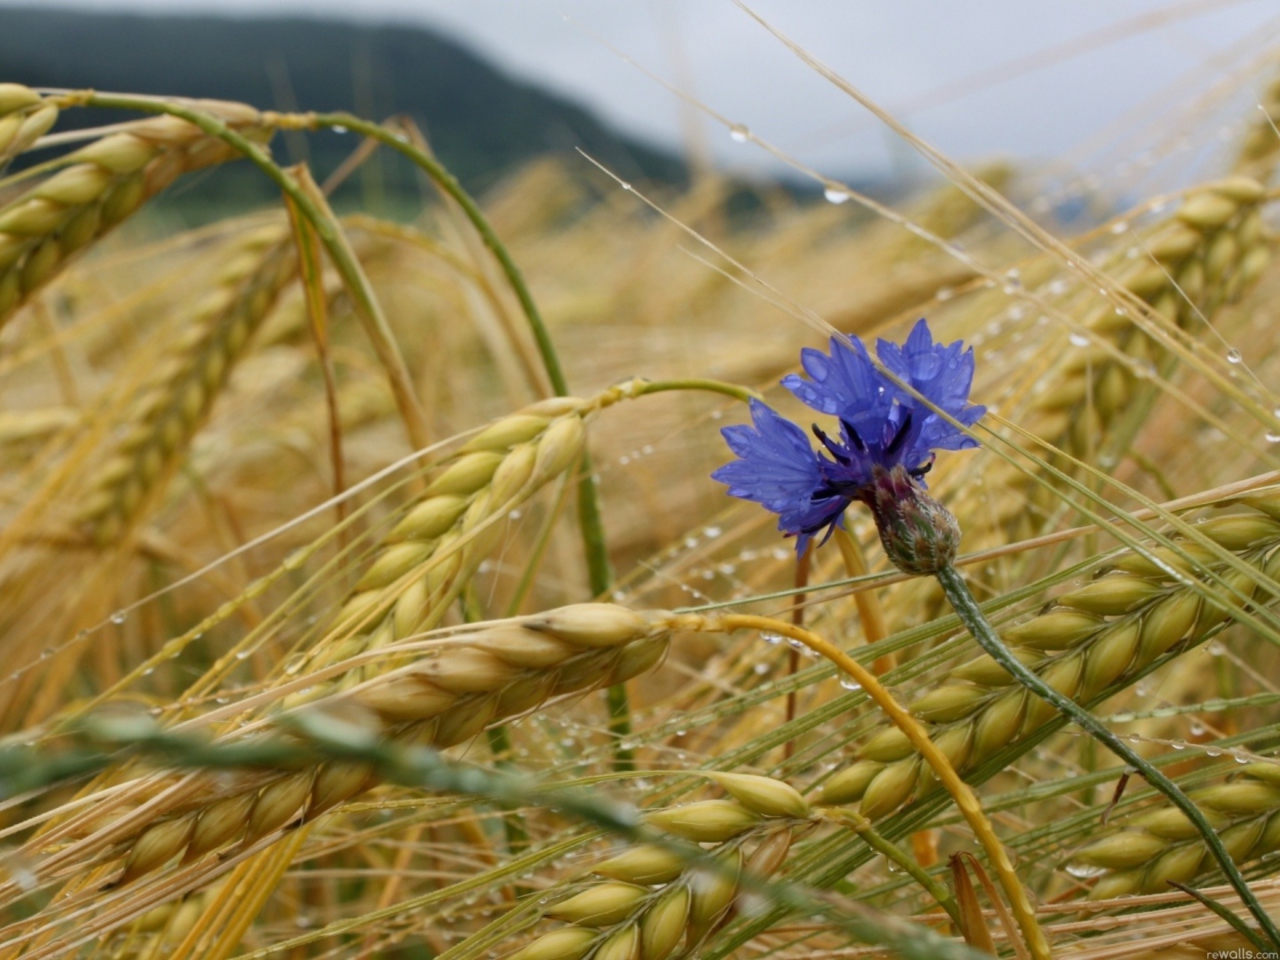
887,435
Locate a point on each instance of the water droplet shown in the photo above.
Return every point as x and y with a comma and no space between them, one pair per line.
738,133
1179,744
1078,340
1240,759
836,196
850,684
242,654
1058,287
771,638
1272,436
760,669
1212,752
1084,871
294,664
944,293
1119,227
1234,356
338,128
1215,648
712,532
119,617
626,186
515,515
1012,281
1196,728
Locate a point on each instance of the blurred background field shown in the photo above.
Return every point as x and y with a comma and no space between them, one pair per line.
203,450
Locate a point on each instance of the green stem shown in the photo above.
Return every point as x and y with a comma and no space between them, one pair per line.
736,391
967,609
862,827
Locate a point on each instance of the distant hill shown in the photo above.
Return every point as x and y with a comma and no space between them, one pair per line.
481,122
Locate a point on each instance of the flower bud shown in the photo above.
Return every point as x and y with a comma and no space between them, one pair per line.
919,534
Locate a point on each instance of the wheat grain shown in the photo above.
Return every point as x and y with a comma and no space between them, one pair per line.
24,118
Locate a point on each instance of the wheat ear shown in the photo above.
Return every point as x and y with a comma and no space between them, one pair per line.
444,697
104,184
1210,251
176,399
436,547
1162,846
1091,639
649,900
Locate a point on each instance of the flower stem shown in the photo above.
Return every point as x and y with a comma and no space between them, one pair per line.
962,793
967,609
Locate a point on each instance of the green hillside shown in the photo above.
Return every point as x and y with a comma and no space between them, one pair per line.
481,122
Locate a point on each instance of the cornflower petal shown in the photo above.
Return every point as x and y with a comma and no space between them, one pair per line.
885,429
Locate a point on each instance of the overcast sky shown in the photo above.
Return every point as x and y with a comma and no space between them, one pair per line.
1030,79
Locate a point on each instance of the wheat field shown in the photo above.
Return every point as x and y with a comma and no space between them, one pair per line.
364,590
